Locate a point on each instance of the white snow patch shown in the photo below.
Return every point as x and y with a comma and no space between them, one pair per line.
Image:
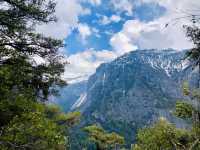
80,101
103,81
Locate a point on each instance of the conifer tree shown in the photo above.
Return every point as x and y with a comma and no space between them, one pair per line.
19,42
26,122
193,55
102,139
162,135
189,110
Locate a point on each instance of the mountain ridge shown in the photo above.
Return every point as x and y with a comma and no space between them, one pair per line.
134,90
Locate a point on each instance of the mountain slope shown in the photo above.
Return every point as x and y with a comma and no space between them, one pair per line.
131,92
136,89
69,96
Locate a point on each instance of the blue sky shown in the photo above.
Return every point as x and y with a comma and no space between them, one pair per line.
144,12
98,31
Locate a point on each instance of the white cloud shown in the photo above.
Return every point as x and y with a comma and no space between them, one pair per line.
95,2
154,34
123,6
171,5
149,35
107,20
83,64
115,18
104,20
96,32
84,31
122,43
67,13
134,34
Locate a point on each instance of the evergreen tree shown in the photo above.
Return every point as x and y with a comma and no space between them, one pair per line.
102,139
19,43
37,127
193,55
162,136
190,110
26,122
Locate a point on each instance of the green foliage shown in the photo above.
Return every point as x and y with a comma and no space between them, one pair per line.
19,43
69,119
102,139
189,108
194,34
193,55
25,121
33,130
184,110
31,126
162,135
186,89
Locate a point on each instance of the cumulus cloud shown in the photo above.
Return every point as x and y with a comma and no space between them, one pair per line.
154,34
122,43
84,31
83,64
67,13
172,5
134,33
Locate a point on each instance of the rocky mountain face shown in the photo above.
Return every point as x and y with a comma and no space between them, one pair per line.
69,96
135,90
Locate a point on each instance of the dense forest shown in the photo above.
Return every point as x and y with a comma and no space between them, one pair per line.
29,122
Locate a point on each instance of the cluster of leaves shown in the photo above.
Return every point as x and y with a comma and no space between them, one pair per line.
102,139
187,110
162,135
34,125
193,55
191,110
26,122
19,43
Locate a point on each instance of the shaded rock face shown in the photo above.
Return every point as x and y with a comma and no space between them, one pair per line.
69,96
135,90
131,92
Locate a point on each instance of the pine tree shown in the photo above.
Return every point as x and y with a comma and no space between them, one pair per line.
19,43
162,135
193,55
189,110
102,139
26,122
